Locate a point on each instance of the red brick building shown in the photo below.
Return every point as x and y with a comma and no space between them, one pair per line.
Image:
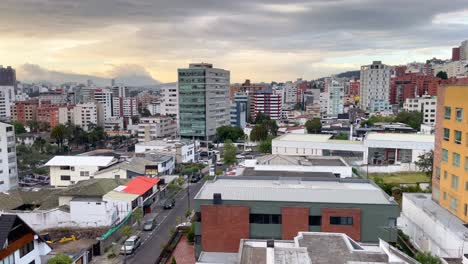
456,54
24,111
412,85
230,209
246,87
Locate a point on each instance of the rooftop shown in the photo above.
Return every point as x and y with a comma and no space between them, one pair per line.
277,174
136,164
353,191
100,161
276,159
401,137
140,185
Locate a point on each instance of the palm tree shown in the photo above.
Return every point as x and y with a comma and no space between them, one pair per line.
39,143
33,125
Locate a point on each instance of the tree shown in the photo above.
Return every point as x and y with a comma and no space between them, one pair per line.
59,133
265,146
341,136
443,75
313,126
138,215
412,119
260,118
229,132
126,232
33,125
135,120
229,152
19,128
39,144
259,133
425,162
60,259
427,258
173,261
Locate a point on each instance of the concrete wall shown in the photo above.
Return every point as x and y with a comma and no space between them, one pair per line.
41,220
90,213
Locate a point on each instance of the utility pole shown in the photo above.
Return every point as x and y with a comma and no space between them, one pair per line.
188,190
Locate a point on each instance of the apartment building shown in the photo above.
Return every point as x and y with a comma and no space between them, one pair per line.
374,83
8,165
104,96
203,100
335,93
24,111
266,103
169,100
7,97
427,105
152,128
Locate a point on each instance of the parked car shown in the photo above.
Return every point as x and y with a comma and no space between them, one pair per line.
169,204
195,178
130,245
149,223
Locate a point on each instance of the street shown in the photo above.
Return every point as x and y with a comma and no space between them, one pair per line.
154,241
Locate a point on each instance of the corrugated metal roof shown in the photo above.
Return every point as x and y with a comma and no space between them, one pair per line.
294,191
81,161
140,185
120,196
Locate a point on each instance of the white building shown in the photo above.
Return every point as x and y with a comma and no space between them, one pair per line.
453,68
323,99
375,83
152,128
125,106
169,100
8,166
184,151
7,97
67,170
427,105
335,93
378,152
290,93
86,115
432,228
464,50
114,124
104,96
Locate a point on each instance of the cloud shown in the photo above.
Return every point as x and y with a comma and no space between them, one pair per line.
132,75
161,35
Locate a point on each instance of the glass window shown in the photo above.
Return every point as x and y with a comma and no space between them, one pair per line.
448,112
436,193
437,172
445,155
459,112
341,220
315,220
446,134
453,203
265,219
445,175
458,137
26,249
456,160
65,177
454,182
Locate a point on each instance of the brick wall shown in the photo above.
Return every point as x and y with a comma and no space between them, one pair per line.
294,220
223,226
439,131
353,231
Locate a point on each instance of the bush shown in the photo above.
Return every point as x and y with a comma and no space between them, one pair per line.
191,234
427,258
60,259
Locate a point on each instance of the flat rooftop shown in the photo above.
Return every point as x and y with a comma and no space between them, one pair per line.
317,138
281,174
99,161
277,159
400,137
350,191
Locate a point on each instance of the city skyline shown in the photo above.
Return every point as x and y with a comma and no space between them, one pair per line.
149,40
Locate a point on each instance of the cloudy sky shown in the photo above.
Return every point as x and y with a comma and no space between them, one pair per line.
262,40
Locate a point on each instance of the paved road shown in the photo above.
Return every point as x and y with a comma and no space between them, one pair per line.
154,241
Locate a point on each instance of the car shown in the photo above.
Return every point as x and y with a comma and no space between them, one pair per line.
130,245
195,178
149,223
169,204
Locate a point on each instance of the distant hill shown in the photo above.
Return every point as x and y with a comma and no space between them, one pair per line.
349,74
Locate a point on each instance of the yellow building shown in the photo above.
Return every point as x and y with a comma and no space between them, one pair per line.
450,177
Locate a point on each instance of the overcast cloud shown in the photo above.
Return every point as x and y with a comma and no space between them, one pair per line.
262,40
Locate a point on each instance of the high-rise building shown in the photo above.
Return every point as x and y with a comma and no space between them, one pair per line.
8,165
152,128
7,76
266,103
203,100
453,69
120,91
124,106
375,83
427,105
24,111
7,97
104,97
169,100
456,54
335,90
449,183
464,50
290,93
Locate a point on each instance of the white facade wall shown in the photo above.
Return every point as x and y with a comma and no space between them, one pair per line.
324,99
427,105
85,115
170,101
104,97
453,69
290,93
335,98
90,213
77,174
375,83
152,128
7,97
43,219
8,165
40,249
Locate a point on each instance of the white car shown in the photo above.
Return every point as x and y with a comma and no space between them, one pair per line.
130,245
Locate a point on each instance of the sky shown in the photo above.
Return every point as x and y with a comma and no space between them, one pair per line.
262,40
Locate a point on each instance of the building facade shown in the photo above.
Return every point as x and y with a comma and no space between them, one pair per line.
375,83
335,90
25,111
203,100
104,97
427,105
152,128
8,165
266,103
7,97
169,100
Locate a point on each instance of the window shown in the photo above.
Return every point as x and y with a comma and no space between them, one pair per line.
315,220
9,129
445,175
454,182
466,163
26,249
65,177
444,155
446,134
459,113
197,217
453,203
456,159
436,193
341,220
32,262
64,167
458,137
9,259
445,196
448,112
265,219
437,172
465,209
84,173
